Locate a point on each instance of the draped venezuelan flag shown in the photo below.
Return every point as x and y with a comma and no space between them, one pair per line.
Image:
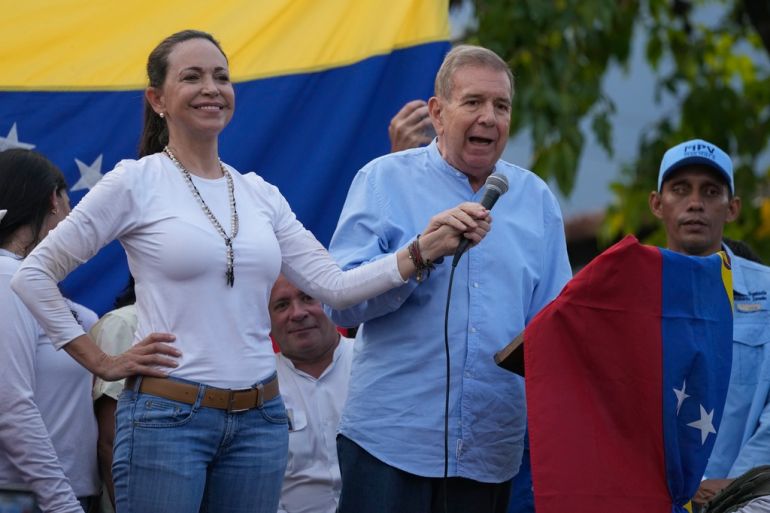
626,375
316,85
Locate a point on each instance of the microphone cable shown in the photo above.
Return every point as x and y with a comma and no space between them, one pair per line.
495,185
446,391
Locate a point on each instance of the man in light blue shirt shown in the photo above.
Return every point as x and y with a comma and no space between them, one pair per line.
391,442
695,198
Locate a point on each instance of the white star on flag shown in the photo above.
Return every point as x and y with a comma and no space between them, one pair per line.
681,395
705,424
12,141
89,175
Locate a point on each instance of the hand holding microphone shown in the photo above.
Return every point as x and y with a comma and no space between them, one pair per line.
495,186
440,238
469,221
445,229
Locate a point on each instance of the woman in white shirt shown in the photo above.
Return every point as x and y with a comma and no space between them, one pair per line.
47,424
205,244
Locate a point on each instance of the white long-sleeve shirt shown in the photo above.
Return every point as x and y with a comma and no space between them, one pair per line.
312,481
47,425
178,261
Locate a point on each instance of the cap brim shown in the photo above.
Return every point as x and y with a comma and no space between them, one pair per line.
693,161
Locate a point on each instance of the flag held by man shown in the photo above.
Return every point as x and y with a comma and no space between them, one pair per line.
626,375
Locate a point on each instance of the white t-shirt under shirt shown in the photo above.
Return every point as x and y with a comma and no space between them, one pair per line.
312,482
114,334
178,261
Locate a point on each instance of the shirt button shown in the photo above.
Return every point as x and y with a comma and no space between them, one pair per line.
473,330
476,284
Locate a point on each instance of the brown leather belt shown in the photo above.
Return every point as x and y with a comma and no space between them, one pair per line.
220,398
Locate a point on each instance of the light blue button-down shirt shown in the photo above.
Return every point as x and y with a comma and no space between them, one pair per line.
395,407
743,439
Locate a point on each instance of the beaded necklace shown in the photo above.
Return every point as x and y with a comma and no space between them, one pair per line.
230,272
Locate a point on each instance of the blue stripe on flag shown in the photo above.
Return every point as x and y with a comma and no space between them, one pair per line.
696,334
306,133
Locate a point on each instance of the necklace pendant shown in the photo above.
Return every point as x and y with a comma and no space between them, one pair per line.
230,257
230,275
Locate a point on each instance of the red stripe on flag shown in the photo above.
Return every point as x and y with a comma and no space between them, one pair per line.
593,377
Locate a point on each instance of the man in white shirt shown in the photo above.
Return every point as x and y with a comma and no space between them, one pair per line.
313,371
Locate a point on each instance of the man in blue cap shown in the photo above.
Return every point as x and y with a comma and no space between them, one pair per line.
695,199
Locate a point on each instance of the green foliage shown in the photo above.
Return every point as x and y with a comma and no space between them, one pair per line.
563,48
718,72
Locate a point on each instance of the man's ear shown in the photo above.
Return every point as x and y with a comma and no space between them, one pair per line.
733,209
154,97
655,204
435,108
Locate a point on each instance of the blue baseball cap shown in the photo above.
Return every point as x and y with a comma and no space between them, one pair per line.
696,152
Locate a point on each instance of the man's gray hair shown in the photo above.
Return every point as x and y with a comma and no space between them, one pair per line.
467,55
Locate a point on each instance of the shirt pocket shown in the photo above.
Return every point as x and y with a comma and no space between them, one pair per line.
297,419
298,439
751,338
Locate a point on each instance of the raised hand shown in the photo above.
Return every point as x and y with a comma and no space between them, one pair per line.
411,127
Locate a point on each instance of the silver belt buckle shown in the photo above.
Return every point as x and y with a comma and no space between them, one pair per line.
231,400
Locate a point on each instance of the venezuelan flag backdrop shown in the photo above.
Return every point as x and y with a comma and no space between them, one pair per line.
316,84
626,375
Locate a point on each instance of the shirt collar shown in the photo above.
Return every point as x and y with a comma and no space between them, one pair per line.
336,356
10,254
440,163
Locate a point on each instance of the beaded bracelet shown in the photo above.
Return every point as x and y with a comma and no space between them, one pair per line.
423,267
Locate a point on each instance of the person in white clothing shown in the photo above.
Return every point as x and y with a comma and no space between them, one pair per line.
314,370
47,424
205,245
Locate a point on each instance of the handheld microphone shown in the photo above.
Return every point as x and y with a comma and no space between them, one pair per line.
495,186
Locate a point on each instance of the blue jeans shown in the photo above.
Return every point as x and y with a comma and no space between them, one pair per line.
371,486
172,456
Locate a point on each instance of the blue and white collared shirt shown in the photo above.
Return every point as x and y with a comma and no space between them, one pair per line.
743,439
395,408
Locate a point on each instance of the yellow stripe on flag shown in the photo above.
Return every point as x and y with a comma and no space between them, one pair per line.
103,45
727,278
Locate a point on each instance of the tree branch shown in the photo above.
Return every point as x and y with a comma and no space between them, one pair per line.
759,15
